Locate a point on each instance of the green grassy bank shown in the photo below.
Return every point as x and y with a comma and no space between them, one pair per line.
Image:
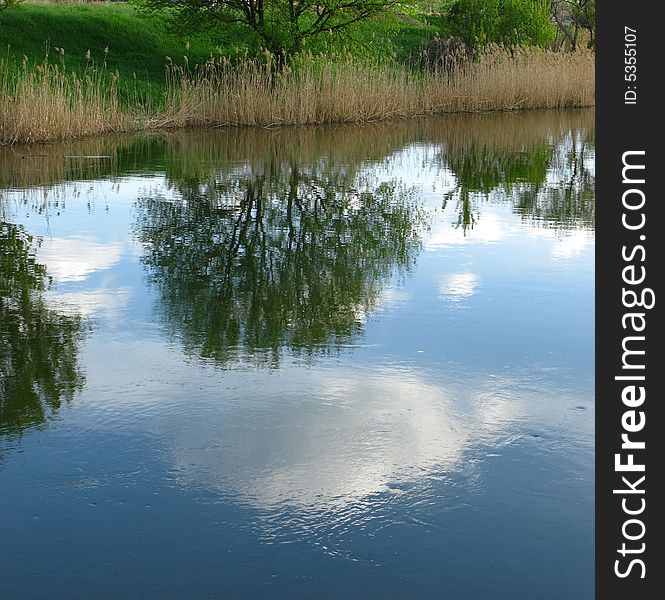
139,43
73,70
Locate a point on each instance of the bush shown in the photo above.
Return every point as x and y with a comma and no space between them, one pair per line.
507,22
450,55
8,3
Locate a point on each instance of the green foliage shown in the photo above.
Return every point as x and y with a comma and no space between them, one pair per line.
284,27
584,12
138,42
5,4
385,37
508,22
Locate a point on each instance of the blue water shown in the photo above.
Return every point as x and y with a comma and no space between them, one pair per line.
338,362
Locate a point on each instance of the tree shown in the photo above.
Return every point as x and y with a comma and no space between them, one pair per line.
5,4
509,22
283,26
571,16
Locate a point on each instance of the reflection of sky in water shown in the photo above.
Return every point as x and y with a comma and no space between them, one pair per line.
463,409
458,286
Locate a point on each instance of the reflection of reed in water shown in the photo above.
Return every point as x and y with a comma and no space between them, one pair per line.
182,150
38,345
98,158
546,174
513,131
538,160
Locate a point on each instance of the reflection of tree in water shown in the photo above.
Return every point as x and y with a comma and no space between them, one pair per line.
279,255
482,170
539,160
547,182
570,201
38,346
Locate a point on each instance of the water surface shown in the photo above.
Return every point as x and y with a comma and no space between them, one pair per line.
331,362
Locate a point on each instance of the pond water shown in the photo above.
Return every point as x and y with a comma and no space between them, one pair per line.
301,363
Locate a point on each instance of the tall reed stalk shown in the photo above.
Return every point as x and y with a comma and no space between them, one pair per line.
316,90
46,103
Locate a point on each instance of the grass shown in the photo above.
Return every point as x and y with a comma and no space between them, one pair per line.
47,102
139,43
75,70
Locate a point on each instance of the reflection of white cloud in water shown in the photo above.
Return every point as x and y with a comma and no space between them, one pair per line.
490,227
104,302
571,244
360,434
73,259
564,244
389,297
458,286
392,296
496,223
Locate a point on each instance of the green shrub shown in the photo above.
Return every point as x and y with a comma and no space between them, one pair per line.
508,22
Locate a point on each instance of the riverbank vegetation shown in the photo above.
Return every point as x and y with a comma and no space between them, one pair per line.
72,70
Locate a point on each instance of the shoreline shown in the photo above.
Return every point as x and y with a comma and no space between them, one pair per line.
157,129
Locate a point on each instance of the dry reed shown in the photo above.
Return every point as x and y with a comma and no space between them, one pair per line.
318,91
49,104
45,102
